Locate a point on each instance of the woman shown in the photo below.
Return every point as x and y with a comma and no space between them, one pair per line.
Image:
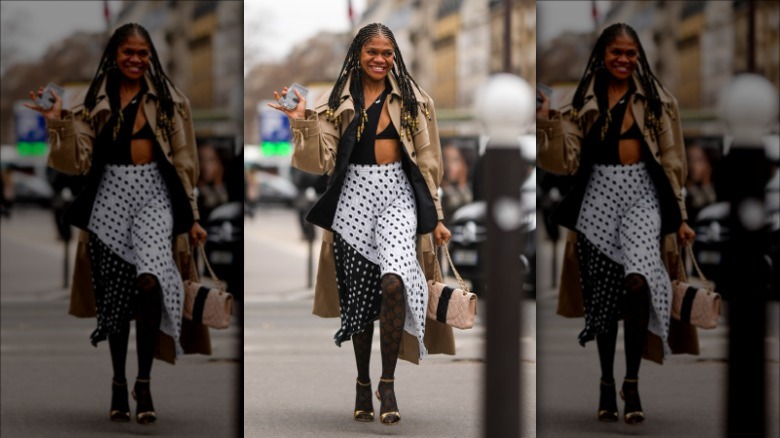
375,134
620,135
132,135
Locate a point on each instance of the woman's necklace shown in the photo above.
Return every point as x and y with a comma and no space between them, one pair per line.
378,97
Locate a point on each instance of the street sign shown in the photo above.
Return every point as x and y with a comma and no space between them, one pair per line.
275,135
30,127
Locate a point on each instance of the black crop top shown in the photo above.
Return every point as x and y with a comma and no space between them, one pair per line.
118,151
364,152
608,150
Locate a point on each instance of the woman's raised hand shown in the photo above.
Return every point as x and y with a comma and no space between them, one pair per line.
53,113
299,112
544,111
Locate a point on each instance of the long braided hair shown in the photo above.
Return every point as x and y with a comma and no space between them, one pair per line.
597,69
108,71
351,70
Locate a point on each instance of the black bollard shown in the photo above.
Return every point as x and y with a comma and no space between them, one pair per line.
506,111
749,106
745,285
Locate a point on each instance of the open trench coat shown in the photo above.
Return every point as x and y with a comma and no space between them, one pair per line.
72,141
558,143
316,142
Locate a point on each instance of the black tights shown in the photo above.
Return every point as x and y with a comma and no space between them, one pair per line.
636,318
147,327
391,326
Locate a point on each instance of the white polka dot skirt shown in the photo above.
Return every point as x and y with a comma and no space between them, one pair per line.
620,226
375,234
131,226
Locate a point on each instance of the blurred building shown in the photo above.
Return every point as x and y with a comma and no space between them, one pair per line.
452,46
693,47
200,47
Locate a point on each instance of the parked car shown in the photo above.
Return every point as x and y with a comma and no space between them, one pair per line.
276,189
712,233
225,245
469,234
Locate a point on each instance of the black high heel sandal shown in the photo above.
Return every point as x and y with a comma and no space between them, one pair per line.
388,409
120,407
144,411
364,407
630,394
608,411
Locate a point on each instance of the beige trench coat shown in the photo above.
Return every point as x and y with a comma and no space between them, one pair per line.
316,141
71,151
558,150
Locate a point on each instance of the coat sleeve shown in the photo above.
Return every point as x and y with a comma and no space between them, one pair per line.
558,144
427,145
71,140
672,148
315,143
185,153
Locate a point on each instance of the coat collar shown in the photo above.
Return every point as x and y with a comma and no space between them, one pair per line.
395,92
102,96
591,103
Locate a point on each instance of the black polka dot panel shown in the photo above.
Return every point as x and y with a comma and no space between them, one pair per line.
376,218
620,220
113,280
133,219
360,289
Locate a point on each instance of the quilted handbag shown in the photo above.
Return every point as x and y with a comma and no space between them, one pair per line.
454,307
696,305
211,307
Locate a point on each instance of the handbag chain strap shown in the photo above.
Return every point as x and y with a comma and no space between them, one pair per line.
695,265
218,282
452,265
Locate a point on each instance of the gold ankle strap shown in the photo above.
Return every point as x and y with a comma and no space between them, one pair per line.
387,380
143,380
607,384
118,384
631,380
363,384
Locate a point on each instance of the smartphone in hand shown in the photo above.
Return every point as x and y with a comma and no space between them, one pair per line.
290,100
46,100
546,90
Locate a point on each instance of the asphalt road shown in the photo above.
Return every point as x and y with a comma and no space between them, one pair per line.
685,397
56,384
297,383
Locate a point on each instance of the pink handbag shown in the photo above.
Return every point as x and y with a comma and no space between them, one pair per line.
454,307
697,306
211,307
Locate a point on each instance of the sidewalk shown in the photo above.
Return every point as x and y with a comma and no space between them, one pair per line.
299,384
685,397
54,383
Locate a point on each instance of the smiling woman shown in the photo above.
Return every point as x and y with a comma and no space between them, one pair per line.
132,135
620,135
375,133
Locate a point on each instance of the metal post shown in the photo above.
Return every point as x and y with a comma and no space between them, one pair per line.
66,267
749,105
507,36
502,105
311,197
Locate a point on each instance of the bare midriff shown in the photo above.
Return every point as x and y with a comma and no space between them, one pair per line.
629,149
386,150
141,149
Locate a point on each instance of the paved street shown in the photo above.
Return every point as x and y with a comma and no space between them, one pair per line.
55,384
686,397
298,384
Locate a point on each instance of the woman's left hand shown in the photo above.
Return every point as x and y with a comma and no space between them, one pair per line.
685,234
441,235
197,234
